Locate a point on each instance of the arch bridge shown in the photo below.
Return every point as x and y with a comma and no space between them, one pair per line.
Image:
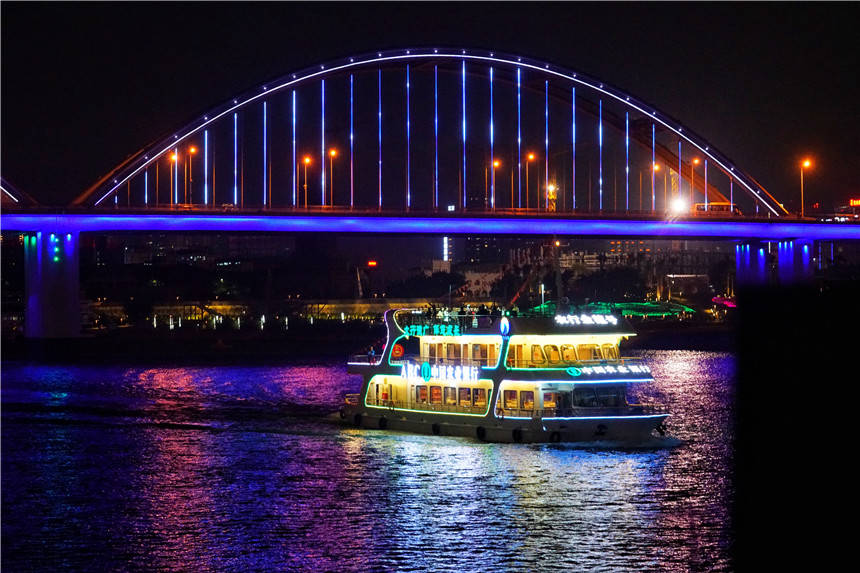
433,141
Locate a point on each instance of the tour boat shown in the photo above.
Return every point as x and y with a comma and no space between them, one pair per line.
504,379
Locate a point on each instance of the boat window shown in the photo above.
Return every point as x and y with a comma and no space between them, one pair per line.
479,352
584,397
480,396
511,399
515,355
610,352
609,397
550,399
465,396
421,394
588,352
453,351
431,352
450,395
568,353
435,394
552,353
527,400
537,354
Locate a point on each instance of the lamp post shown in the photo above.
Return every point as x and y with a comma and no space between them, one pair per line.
332,154
806,163
529,158
306,161
174,158
191,151
653,196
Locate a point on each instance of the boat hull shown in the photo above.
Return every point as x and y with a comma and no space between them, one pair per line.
626,429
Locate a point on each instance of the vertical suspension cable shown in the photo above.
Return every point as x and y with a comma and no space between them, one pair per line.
626,161
265,156
492,157
436,136
464,132
295,165
600,153
573,143
408,164
322,143
351,144
546,144
519,146
379,132
206,167
235,160
653,167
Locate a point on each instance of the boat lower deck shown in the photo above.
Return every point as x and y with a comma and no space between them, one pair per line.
629,428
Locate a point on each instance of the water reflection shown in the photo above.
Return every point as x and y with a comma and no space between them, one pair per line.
223,469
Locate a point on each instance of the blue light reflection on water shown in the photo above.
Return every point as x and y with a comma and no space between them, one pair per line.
224,469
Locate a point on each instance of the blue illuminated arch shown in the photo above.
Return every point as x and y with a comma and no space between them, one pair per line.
128,169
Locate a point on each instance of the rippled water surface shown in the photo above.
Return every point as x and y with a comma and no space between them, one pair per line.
238,469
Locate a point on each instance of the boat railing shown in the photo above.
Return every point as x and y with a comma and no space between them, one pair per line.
465,322
366,359
428,407
525,363
630,410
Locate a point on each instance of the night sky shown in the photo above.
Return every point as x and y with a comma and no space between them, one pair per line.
86,85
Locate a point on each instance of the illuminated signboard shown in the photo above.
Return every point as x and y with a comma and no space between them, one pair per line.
854,202
435,330
447,372
578,319
629,369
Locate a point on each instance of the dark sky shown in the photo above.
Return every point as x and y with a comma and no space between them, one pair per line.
85,85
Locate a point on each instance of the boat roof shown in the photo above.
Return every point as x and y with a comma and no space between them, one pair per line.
417,322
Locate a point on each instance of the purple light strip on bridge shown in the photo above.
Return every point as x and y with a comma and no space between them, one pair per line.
374,224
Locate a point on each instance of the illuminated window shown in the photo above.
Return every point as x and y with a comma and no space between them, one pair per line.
568,353
550,399
609,397
479,353
480,396
435,394
510,399
453,351
552,353
450,396
465,396
610,352
588,352
515,355
537,354
421,394
527,400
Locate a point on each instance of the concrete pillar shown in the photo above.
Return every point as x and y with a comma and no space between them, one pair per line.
52,268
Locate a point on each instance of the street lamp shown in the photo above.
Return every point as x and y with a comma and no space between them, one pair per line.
692,177
805,164
306,161
529,158
332,154
191,151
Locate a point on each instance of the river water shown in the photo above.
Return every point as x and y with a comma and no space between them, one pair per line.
239,469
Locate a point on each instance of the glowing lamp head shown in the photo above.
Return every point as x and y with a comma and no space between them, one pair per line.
531,157
807,163
551,188
678,206
496,163
307,160
372,263
332,152
656,167
174,157
193,149
558,243
695,161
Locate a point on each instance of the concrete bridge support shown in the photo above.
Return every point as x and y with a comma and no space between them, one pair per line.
52,268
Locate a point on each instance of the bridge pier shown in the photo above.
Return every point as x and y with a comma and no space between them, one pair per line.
52,286
778,262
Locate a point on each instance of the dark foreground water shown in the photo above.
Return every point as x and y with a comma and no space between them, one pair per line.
237,469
